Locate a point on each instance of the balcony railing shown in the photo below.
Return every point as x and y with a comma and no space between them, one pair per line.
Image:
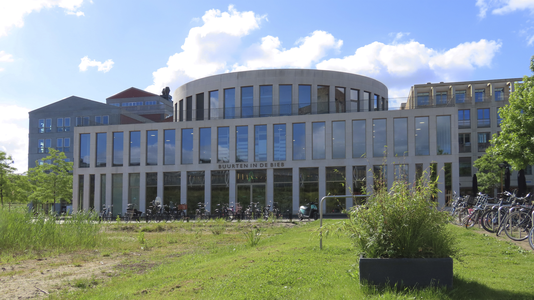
428,101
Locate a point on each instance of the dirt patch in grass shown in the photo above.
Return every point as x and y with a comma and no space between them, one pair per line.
136,267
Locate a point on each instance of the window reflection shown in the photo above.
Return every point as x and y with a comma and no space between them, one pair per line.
214,105
170,147
285,100
118,147
135,148
151,147
443,134
379,138
241,144
205,146
421,136
223,144
358,139
318,140
247,105
279,135
85,148
299,141
229,103
187,146
323,95
260,143
266,100
304,99
101,145
338,139
400,136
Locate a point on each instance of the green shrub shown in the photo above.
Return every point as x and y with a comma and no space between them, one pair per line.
401,223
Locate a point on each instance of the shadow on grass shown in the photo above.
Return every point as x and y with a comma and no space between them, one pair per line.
462,289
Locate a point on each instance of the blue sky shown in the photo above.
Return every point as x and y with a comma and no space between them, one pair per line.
52,49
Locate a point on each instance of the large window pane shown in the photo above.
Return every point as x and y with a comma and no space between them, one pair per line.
465,166
266,100
401,172
101,145
338,139
279,136
318,140
223,144
171,188
299,141
285,99
340,99
151,147
205,145
214,105
220,191
170,147
464,118
309,185
400,136
135,148
422,145
483,117
195,190
200,107
323,95
260,143
187,146
241,143
151,188
365,102
304,99
335,185
229,103
247,104
118,146
358,138
380,176
283,189
85,150
102,190
443,134
464,142
460,96
116,194
359,182
133,189
354,100
189,108
379,138
423,99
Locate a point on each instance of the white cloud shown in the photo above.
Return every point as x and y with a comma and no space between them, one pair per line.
12,12
5,57
102,66
207,48
14,137
413,61
501,7
269,54
76,13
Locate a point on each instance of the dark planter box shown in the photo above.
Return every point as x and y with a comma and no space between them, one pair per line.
406,272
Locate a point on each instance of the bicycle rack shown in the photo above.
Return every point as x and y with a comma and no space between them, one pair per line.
321,212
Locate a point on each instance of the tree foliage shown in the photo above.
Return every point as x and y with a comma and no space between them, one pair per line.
6,173
515,143
51,180
489,173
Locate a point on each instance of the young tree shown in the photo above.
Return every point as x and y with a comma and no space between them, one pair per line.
515,143
6,171
489,173
51,180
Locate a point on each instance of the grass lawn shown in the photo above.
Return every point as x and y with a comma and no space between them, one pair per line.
214,260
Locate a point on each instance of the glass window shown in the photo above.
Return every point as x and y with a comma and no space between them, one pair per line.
479,95
423,99
151,147
241,143
376,103
260,143
247,102
189,108
422,145
380,176
220,191
41,125
40,146
48,125
133,189
59,145
464,118
67,124
483,141
229,103
135,148
441,98
205,145
285,99
101,145
483,117
464,142
102,190
169,149
98,120
379,138
105,120
85,150
499,94
354,100
338,139
323,96
118,146
335,185
279,136
358,139
340,99
401,172
359,182
223,144
151,188
266,100
299,141
465,166
443,134
304,99
59,123
460,96
116,193
214,105
66,145
400,136
195,190
283,189
200,107
309,185
171,188
85,121
318,140
48,144
187,146
365,102
181,110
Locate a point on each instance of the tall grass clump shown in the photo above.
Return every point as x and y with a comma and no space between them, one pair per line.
401,223
21,231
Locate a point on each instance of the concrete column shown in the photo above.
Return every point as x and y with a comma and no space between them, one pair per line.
207,190
296,189
270,187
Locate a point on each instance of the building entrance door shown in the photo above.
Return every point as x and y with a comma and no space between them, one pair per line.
250,193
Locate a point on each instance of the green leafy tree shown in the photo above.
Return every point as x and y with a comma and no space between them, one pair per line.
489,173
6,172
51,180
515,143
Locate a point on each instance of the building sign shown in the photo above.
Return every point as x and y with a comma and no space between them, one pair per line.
264,165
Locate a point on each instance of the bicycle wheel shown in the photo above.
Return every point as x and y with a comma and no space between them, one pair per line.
531,238
517,226
472,219
490,220
462,214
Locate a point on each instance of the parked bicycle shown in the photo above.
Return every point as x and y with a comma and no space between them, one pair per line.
106,213
201,213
